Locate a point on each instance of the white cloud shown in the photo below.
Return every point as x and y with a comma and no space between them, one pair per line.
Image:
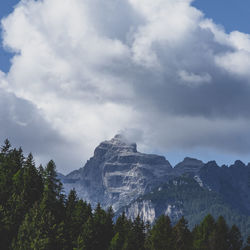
93,68
194,79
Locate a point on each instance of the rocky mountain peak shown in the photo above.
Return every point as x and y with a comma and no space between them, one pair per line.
190,161
118,144
211,164
118,173
189,165
239,163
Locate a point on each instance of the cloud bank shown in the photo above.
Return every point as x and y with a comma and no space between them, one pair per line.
158,70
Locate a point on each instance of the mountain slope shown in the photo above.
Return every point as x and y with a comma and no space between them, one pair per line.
117,174
183,196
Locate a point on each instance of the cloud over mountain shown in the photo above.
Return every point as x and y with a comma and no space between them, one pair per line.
159,68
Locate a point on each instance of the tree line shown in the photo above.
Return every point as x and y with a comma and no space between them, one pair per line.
35,214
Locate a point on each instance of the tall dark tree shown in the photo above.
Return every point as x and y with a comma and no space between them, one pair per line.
161,235
52,198
39,230
247,247
121,229
235,238
202,233
182,236
136,236
219,239
98,231
77,214
6,147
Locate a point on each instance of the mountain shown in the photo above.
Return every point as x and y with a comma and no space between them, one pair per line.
184,196
119,176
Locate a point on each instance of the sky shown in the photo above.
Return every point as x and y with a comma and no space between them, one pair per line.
172,75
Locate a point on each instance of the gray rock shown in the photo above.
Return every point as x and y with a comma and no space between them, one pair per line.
117,174
188,165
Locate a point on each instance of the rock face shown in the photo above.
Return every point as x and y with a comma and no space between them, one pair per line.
188,165
232,183
117,174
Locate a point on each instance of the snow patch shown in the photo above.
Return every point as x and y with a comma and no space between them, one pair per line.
198,180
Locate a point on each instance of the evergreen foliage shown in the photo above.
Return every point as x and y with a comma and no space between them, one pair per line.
35,214
161,235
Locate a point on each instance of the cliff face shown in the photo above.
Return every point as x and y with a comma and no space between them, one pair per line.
118,174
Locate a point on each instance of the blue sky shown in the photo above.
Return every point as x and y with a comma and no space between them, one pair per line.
158,71
232,14
6,7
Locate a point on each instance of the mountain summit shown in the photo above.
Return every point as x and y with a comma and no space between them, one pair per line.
118,174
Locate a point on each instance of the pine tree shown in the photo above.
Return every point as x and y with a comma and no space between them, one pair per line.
52,198
121,230
32,182
202,232
6,147
77,214
247,247
235,238
98,231
219,239
86,240
182,236
161,235
39,231
43,226
116,242
136,236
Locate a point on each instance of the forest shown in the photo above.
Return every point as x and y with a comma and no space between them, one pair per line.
36,214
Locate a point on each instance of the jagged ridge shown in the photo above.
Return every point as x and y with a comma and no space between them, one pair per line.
117,175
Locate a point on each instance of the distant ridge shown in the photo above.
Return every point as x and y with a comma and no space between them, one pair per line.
119,176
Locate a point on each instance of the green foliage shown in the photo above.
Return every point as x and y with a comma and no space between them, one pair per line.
136,235
202,233
211,235
235,238
220,236
122,229
39,230
182,236
97,231
161,235
248,244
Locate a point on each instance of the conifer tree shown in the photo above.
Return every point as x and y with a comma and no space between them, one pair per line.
39,231
219,239
98,231
136,236
235,238
202,232
247,247
52,198
161,235
32,182
121,230
86,240
182,236
77,214
6,147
